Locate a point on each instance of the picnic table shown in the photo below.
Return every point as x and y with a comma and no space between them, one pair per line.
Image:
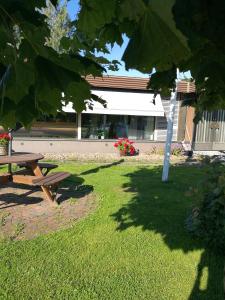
32,174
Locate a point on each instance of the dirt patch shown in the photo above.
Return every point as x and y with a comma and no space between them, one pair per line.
25,214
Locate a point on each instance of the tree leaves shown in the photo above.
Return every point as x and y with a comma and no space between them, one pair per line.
20,73
163,81
154,44
95,15
33,76
165,35
132,10
188,34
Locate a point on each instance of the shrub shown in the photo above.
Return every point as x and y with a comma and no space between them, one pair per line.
176,150
207,221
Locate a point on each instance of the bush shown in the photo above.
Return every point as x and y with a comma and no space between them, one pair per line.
207,221
125,146
176,150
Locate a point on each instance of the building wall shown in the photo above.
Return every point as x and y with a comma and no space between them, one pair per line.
75,146
210,131
161,122
70,145
186,124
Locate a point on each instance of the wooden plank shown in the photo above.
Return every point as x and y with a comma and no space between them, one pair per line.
189,124
23,172
58,179
41,165
25,179
5,178
37,171
47,165
48,178
51,178
20,158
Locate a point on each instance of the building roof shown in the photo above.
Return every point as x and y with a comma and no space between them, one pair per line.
132,83
186,87
119,82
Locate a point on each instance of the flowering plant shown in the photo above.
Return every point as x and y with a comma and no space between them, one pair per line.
4,139
125,146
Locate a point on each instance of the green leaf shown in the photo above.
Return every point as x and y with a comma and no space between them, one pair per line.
77,93
131,9
20,78
154,45
163,81
95,14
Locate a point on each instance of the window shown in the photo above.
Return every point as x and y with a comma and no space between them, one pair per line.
61,126
95,126
92,126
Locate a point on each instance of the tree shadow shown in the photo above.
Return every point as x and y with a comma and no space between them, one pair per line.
95,170
213,265
72,187
162,208
10,199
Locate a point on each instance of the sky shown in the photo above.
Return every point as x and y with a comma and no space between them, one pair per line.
116,52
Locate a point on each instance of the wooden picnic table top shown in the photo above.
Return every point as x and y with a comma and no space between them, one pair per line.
20,157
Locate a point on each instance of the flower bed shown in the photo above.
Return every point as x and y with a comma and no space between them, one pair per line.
4,139
125,147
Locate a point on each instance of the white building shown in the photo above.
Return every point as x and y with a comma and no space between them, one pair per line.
132,111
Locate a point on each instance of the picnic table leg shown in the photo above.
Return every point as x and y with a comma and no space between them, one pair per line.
37,171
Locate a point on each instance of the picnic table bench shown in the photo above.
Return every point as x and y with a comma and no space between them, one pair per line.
43,166
32,173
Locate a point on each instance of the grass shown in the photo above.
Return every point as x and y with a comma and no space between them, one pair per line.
133,246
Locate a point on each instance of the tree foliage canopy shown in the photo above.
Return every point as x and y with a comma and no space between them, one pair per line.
33,75
165,34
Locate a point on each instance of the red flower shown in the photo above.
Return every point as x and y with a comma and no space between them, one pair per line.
125,145
4,136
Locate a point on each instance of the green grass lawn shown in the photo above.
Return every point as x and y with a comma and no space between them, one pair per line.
133,246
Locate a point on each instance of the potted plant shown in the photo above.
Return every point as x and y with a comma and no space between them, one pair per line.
4,143
101,134
125,147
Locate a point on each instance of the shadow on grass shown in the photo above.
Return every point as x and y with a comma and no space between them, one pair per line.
95,170
72,187
162,208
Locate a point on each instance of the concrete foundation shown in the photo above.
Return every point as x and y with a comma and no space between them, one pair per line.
71,145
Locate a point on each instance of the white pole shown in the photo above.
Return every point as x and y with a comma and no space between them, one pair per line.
169,136
79,126
10,149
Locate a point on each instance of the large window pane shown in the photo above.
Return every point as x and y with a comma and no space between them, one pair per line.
61,126
141,128
92,126
117,126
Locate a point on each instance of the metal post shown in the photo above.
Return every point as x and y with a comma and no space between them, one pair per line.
169,136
